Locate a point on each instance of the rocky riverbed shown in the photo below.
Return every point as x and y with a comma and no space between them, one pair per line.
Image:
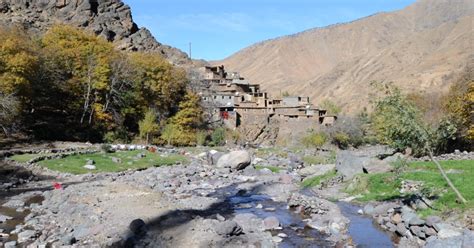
218,199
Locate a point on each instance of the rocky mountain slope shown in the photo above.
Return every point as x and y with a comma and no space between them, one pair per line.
421,48
112,19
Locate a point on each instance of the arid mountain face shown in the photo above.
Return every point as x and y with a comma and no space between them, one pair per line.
420,48
111,19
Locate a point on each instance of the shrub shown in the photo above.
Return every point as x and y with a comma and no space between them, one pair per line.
218,137
342,140
315,140
201,138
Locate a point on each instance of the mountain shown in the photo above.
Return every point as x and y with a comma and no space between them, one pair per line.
420,48
111,19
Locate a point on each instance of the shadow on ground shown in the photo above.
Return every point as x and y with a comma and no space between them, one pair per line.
139,229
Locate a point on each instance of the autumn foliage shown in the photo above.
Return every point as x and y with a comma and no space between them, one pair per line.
73,85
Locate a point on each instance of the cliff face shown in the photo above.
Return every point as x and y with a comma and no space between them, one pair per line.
111,19
420,48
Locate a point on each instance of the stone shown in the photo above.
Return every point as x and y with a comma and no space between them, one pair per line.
236,160
228,229
90,162
90,167
446,231
349,165
4,218
396,218
220,217
418,231
11,244
137,227
277,239
282,235
271,223
430,231
360,211
286,179
391,227
26,235
416,221
401,229
369,209
116,160
432,220
259,206
406,217
15,203
316,170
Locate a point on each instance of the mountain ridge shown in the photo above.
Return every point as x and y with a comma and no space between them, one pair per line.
422,45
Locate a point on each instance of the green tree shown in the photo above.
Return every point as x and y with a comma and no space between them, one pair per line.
187,120
331,107
149,126
315,140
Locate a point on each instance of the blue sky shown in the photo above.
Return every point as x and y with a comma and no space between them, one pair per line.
219,28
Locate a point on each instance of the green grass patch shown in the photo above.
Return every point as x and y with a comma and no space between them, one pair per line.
317,180
329,159
386,186
103,162
274,169
25,158
271,150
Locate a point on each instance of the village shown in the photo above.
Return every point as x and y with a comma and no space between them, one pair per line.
237,103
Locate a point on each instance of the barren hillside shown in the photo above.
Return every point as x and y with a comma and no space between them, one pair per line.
420,48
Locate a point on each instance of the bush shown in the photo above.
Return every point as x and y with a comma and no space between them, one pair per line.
218,137
201,138
342,140
315,140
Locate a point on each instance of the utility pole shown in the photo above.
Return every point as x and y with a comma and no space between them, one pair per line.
190,47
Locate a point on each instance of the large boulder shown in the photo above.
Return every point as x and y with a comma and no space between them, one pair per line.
236,160
349,164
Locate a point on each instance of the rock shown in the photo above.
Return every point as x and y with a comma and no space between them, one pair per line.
228,229
68,239
213,156
316,170
137,226
90,167
432,220
466,240
418,231
369,209
271,223
11,244
402,230
237,160
4,218
396,218
259,206
406,217
282,235
286,179
14,203
446,231
26,235
349,165
360,211
90,162
391,227
220,217
141,155
416,221
116,160
383,208
277,239
111,19
430,231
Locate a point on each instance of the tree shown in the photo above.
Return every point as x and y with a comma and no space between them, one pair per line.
161,85
88,60
149,126
18,60
9,110
331,107
397,122
459,105
187,120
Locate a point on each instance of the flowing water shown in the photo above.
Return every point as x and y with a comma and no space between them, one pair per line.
362,229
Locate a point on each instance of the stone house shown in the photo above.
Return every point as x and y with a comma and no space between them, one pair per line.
237,103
